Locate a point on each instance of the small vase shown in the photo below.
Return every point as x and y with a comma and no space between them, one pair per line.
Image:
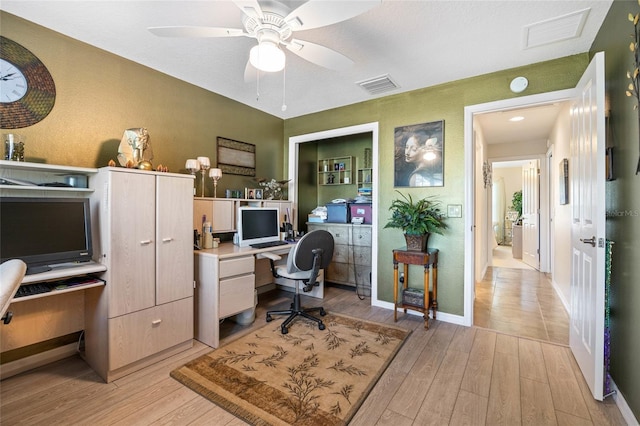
417,242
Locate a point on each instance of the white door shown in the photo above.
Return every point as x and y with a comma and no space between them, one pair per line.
588,225
531,214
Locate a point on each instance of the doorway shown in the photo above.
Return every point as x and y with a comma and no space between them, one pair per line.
295,143
477,154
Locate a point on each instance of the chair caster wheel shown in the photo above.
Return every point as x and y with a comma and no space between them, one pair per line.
269,318
284,330
322,313
321,326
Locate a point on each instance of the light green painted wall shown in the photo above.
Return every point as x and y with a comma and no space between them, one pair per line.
99,95
444,102
623,202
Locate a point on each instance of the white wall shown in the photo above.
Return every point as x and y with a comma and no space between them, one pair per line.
482,206
561,214
512,181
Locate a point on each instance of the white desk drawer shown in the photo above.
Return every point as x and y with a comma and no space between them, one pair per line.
135,336
238,266
236,295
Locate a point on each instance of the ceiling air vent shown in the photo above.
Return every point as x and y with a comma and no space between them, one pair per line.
554,30
377,85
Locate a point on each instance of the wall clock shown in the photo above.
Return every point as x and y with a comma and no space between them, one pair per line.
27,91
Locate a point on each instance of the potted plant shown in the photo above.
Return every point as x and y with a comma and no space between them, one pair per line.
418,219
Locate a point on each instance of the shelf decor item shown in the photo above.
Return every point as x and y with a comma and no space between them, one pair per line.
417,219
272,189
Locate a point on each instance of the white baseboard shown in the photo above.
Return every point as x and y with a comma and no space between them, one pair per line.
564,301
440,316
624,408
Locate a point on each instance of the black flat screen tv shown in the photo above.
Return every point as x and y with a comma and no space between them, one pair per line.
45,232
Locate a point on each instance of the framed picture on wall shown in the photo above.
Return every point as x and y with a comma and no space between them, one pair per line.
563,184
419,155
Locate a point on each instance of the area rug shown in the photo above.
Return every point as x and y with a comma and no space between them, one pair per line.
305,377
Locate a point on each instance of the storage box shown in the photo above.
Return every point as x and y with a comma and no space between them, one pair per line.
338,213
413,297
313,218
361,210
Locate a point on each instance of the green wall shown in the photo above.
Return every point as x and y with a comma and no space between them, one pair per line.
444,102
99,95
623,201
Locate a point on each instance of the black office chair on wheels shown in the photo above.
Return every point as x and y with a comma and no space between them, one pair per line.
313,252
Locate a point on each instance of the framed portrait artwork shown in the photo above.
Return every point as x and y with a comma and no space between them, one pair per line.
419,155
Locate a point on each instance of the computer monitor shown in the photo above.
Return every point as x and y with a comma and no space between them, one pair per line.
258,225
45,231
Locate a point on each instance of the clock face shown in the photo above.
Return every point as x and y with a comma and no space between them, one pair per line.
27,90
13,83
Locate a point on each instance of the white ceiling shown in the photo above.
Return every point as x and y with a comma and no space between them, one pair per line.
418,43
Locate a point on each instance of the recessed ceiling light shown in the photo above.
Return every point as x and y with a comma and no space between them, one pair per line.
517,118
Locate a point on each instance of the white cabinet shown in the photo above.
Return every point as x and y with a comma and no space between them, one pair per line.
222,211
143,235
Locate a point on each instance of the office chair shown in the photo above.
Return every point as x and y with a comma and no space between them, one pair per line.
11,275
313,252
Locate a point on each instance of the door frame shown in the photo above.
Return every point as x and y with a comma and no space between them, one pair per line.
470,176
373,128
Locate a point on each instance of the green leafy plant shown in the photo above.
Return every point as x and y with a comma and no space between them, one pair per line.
516,203
418,217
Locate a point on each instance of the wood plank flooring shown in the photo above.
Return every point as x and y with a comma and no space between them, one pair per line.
448,374
521,302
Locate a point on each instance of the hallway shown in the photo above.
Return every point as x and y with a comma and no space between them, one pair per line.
520,302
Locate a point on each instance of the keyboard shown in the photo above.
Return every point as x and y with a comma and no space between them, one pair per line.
32,289
269,244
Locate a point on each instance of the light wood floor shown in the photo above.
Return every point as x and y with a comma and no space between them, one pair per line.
448,374
522,303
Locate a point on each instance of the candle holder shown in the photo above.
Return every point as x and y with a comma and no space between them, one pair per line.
205,165
215,175
193,166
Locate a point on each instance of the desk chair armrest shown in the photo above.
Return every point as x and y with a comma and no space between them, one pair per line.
272,259
269,255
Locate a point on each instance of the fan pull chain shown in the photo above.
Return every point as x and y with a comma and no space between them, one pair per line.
284,74
258,85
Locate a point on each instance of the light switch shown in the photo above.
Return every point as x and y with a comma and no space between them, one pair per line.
454,210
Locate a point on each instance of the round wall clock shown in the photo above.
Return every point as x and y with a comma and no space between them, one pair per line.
27,91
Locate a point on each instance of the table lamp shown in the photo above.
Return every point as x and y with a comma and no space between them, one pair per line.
205,164
193,166
215,175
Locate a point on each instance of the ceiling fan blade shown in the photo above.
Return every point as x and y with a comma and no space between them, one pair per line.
319,13
250,73
250,7
319,54
187,31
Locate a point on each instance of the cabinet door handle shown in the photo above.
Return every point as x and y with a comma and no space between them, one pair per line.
145,242
156,322
167,240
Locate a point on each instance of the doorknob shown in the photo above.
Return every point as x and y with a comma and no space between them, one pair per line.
591,241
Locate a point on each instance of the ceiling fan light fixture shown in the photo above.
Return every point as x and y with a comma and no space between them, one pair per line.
267,57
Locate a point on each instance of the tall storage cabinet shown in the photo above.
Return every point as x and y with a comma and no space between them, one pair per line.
142,233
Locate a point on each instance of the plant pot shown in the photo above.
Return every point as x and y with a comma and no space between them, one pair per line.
417,242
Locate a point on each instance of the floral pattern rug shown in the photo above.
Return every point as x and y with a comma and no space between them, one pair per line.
305,377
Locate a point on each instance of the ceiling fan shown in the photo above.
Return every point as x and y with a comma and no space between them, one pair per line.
273,23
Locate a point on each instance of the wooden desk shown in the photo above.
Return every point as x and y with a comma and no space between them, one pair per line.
225,285
429,260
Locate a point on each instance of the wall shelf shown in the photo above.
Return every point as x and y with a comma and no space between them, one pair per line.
335,171
29,177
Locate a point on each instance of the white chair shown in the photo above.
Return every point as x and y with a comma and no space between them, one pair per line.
313,252
11,275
